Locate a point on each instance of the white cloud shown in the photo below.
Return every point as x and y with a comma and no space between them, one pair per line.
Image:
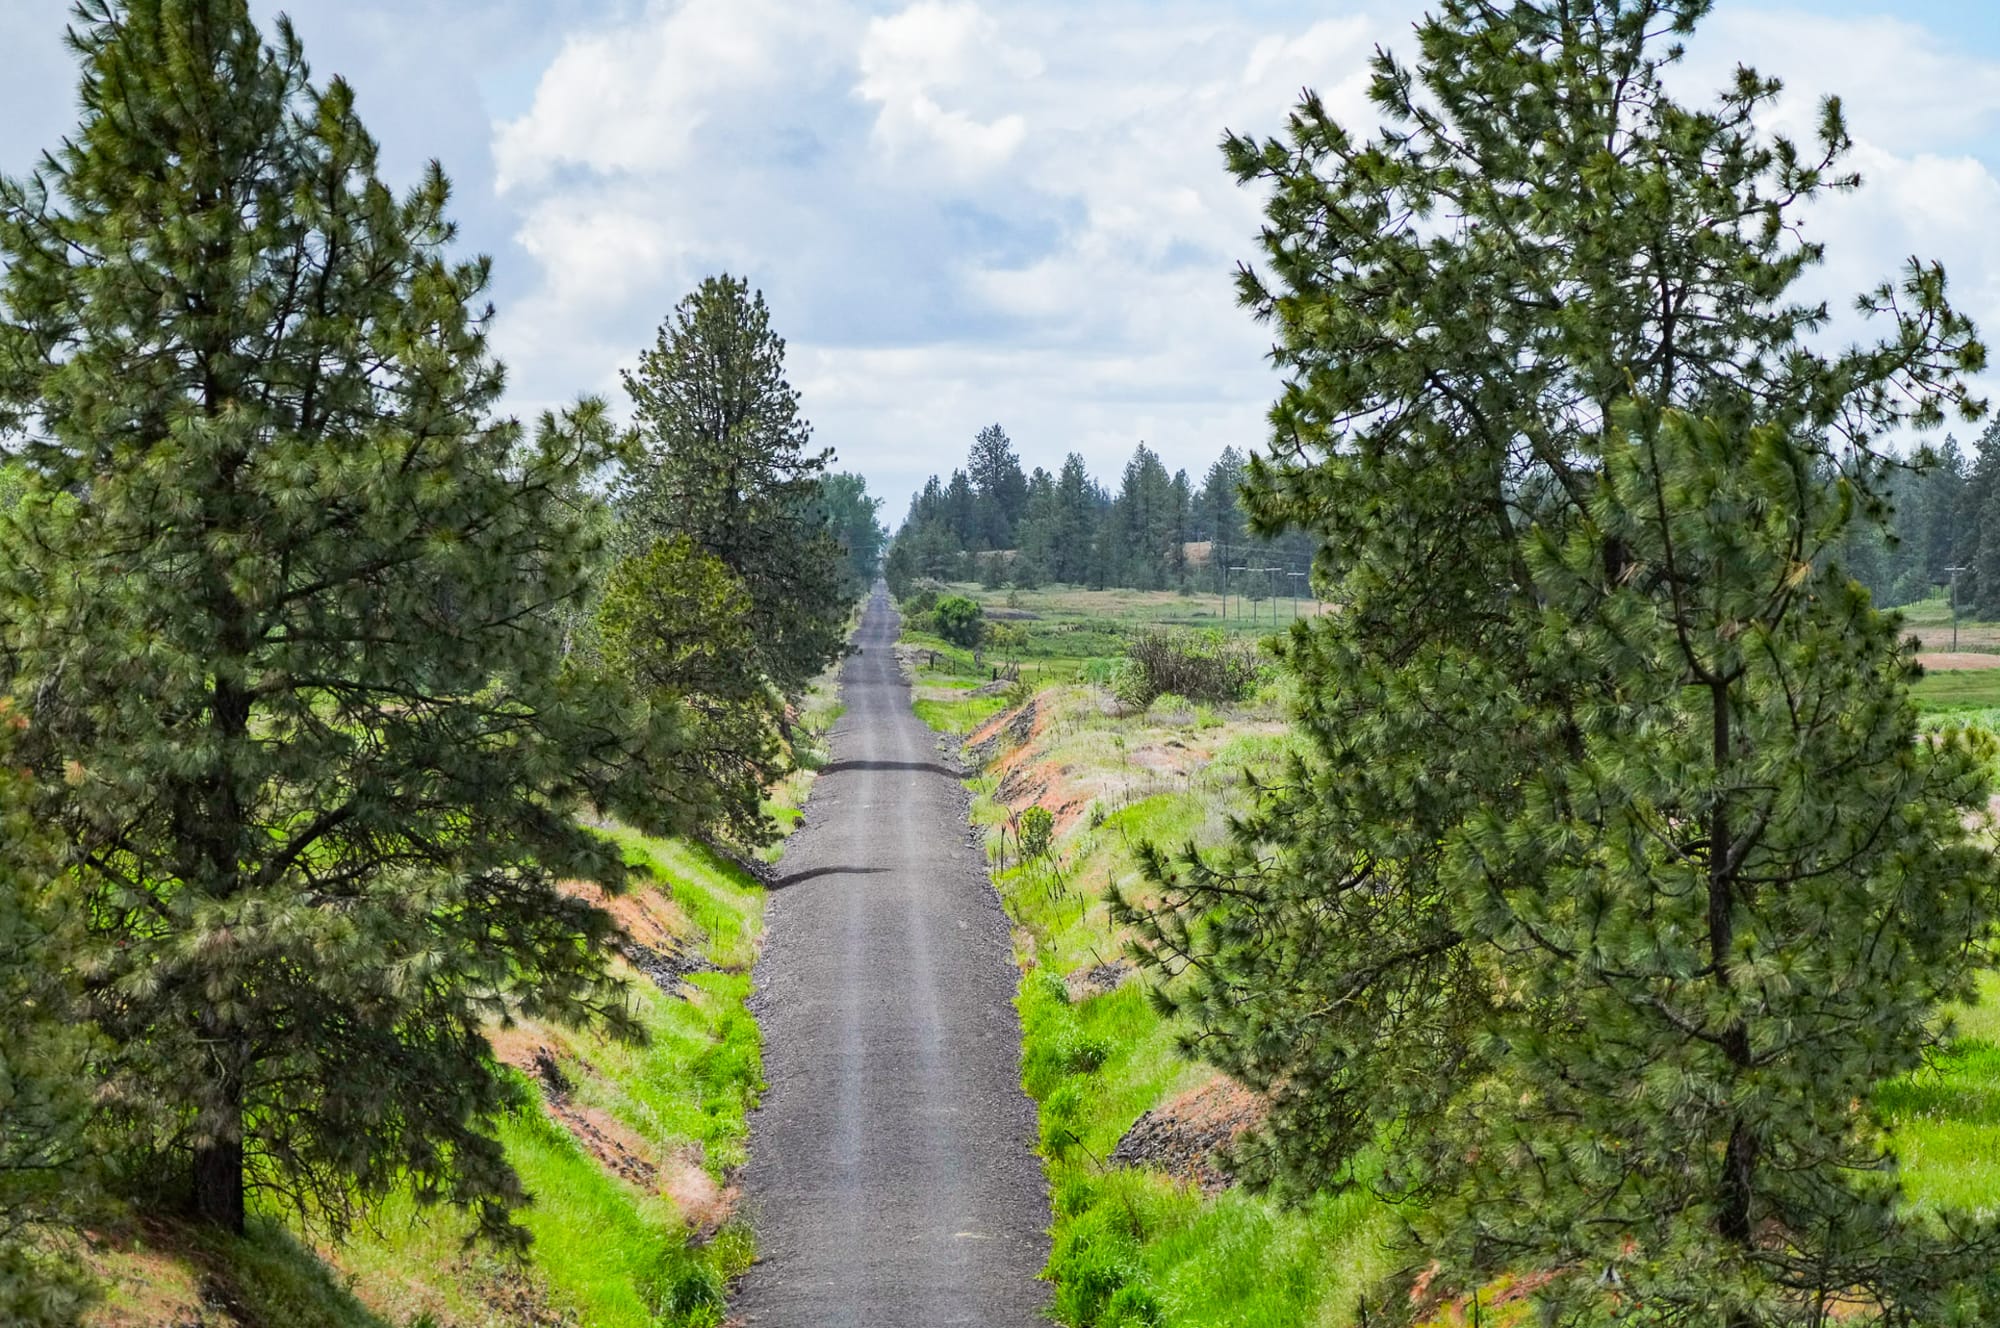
634,97
931,49
1015,209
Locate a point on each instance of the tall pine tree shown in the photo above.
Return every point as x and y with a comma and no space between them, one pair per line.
1617,876
726,464
1002,490
283,603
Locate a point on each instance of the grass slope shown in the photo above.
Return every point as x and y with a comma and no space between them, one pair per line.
1133,1246
610,1249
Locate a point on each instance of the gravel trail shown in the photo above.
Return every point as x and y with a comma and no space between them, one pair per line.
891,1178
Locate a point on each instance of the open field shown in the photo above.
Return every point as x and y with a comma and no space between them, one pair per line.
1056,635
1148,1232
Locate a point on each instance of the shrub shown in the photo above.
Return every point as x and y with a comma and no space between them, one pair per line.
959,620
1037,831
1200,666
1131,686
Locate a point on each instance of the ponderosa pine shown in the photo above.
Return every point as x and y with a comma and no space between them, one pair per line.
1617,875
283,604
726,464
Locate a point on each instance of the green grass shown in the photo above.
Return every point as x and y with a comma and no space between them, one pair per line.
605,1250
1133,1247
1068,634
960,717
718,896
1945,1118
615,1255
1958,689
266,1276
617,1258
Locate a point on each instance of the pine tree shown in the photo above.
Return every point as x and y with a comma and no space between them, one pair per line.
996,476
1077,504
1617,876
961,513
284,603
1219,514
726,464
1038,532
1143,525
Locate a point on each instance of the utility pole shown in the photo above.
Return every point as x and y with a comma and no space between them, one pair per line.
1218,553
1954,604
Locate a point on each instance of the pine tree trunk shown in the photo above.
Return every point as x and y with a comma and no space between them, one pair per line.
218,1165
1739,1164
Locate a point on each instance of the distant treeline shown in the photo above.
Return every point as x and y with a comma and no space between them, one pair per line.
1944,516
993,522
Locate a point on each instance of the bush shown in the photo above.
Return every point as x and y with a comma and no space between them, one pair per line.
1037,831
959,620
1200,666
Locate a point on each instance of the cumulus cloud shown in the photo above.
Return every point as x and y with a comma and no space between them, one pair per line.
931,50
969,210
634,98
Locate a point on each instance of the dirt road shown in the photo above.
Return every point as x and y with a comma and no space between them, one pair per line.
891,1181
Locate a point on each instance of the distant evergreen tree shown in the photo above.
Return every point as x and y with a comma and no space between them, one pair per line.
1038,533
961,513
282,604
1142,549
726,464
1071,531
1617,877
1001,488
1964,542
1218,515
1182,530
1076,504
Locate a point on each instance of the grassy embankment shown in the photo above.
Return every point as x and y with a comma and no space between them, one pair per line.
627,1149
1132,1245
1947,1117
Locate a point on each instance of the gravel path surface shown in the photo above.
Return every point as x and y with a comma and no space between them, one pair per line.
891,1179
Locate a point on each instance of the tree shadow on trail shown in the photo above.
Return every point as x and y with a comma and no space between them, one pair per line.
931,767
799,878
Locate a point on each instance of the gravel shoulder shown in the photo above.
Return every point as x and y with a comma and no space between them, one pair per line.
892,1180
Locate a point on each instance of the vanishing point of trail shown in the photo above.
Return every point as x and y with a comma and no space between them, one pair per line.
891,1178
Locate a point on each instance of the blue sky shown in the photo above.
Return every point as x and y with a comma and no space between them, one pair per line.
974,210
